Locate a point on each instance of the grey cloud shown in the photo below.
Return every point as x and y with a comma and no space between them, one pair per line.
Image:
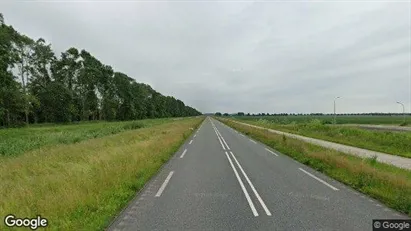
241,56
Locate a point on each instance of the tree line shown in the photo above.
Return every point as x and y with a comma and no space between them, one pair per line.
36,86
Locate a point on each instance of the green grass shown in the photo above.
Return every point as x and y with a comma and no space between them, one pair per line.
386,183
15,141
348,119
83,186
395,143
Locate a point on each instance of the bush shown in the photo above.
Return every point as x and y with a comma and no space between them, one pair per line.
315,123
326,122
133,125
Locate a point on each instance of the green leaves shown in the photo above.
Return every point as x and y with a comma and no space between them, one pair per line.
74,86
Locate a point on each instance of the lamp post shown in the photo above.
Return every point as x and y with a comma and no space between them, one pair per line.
403,110
335,115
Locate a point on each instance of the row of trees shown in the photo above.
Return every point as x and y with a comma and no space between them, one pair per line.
310,114
37,86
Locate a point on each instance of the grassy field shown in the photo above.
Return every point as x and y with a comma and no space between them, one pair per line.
395,143
388,184
365,119
16,141
82,186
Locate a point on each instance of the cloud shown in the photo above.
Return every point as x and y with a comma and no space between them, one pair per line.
241,56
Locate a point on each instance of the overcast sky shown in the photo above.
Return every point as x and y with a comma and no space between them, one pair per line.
282,56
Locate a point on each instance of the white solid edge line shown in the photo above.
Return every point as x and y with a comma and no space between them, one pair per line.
191,141
252,141
271,152
252,186
247,196
222,145
163,186
334,188
195,135
182,155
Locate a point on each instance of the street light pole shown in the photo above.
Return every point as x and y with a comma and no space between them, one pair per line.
335,115
403,110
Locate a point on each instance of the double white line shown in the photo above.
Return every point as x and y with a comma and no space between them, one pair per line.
220,137
240,181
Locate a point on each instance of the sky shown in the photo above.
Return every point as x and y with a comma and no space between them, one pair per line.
232,56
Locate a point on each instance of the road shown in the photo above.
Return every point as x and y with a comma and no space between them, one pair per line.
222,180
385,128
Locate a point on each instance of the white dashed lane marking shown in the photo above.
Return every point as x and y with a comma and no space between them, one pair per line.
268,150
163,186
182,155
318,179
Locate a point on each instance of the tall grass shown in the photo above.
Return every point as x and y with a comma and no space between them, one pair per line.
16,141
83,186
395,143
386,183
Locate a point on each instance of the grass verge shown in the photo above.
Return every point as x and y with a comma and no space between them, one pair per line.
83,186
15,141
328,119
386,183
395,143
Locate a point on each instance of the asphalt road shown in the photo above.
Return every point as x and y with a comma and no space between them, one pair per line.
222,180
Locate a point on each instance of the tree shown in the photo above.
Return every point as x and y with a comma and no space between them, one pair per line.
24,51
40,64
226,114
56,102
72,86
11,97
240,113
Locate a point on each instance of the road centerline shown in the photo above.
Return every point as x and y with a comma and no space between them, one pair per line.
222,145
250,202
267,211
222,138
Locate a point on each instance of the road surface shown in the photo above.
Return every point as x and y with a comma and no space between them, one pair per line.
385,128
222,180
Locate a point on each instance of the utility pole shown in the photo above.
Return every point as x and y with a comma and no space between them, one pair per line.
335,115
403,110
